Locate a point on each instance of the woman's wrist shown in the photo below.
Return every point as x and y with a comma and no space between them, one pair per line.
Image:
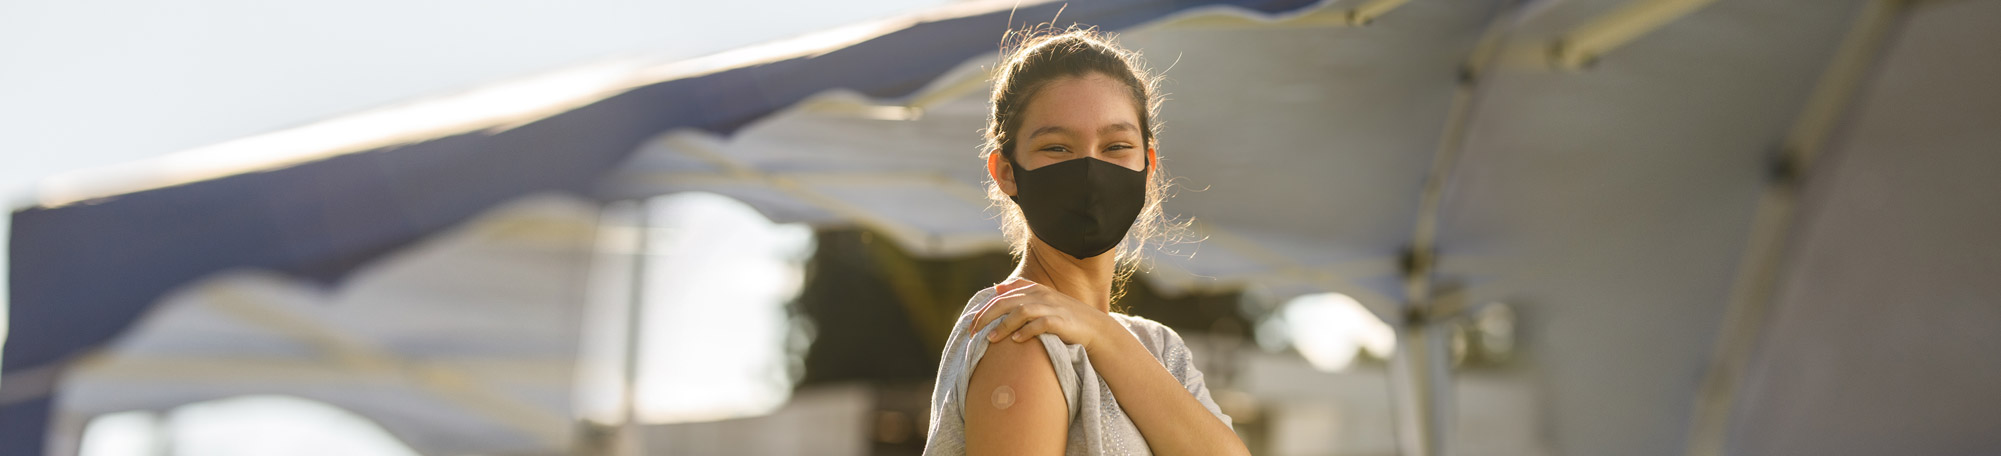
1108,334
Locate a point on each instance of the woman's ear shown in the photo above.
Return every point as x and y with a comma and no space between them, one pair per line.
1002,173
1152,162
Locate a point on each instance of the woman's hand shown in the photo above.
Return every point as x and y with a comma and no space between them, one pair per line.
1038,309
1173,421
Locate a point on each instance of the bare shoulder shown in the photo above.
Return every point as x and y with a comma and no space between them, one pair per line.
1013,403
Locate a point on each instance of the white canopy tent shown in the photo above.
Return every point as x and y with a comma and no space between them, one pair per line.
1738,227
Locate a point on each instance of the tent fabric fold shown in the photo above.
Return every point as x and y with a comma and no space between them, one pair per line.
322,219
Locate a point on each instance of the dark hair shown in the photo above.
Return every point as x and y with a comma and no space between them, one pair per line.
1044,56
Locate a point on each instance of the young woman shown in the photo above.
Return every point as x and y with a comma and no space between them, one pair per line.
1039,364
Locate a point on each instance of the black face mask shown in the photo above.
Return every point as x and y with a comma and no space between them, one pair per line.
1082,206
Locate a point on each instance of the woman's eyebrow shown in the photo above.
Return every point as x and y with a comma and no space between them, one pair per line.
1105,130
1117,127
1048,129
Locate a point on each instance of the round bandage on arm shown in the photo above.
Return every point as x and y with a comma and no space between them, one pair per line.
1015,402
1003,397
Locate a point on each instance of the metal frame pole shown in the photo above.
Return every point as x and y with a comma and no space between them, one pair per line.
1758,269
629,441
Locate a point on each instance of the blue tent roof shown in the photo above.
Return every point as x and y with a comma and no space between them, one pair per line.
320,220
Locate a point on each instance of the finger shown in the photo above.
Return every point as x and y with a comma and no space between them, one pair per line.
974,325
1033,328
998,294
1013,283
1017,315
996,309
981,318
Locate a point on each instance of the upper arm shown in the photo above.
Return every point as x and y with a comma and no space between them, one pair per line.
1037,420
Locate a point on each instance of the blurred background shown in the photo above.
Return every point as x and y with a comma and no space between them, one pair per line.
1424,227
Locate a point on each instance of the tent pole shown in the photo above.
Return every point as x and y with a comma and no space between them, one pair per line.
1578,48
1421,370
629,441
1422,386
1758,269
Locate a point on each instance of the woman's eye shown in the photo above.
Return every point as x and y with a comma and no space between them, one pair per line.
1057,149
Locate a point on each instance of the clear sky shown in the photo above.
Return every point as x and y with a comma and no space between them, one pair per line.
88,83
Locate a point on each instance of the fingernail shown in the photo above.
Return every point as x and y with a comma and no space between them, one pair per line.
992,336
1017,338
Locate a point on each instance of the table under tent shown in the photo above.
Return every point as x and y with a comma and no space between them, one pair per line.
1736,227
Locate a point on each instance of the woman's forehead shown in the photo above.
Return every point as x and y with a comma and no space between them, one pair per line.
1074,105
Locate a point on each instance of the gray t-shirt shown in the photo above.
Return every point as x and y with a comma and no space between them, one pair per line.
1097,425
